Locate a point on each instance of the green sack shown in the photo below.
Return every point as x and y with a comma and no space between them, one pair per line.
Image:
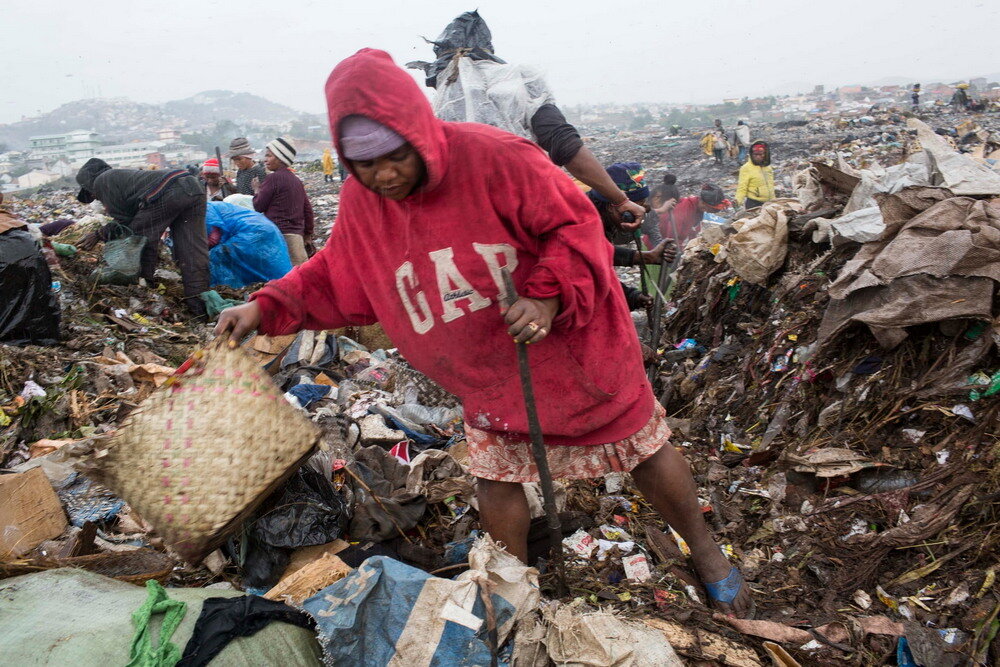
74,617
121,261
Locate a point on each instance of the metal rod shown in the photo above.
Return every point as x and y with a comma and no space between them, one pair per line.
538,448
661,299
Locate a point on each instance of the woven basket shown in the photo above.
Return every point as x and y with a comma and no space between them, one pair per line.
199,454
135,567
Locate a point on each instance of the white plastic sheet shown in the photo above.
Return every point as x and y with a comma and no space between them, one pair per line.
959,173
480,91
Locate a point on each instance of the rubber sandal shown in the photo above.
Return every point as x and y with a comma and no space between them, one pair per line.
725,590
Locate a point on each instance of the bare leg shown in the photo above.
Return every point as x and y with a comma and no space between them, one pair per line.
504,514
665,480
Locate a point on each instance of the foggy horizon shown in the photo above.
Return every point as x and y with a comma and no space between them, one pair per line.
590,54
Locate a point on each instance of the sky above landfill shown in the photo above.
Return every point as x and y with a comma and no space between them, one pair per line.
62,50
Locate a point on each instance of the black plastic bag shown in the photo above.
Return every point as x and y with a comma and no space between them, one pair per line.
121,261
468,32
306,512
262,565
29,310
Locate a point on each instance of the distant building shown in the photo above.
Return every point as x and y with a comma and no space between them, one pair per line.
61,167
144,153
168,135
36,178
75,146
126,155
850,92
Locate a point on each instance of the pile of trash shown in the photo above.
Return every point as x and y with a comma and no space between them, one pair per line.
831,366
369,499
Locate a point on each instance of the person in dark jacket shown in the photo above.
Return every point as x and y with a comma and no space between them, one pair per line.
282,198
247,168
29,309
628,177
147,203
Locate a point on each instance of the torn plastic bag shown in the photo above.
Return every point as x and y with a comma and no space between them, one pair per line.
29,310
861,226
760,244
307,511
397,508
438,476
311,348
575,635
391,613
959,173
121,261
441,417
467,34
504,96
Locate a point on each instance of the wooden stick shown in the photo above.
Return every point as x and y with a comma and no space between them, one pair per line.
538,449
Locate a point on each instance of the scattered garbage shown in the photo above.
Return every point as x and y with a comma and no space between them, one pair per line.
829,362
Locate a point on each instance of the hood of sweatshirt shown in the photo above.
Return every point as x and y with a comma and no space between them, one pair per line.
370,84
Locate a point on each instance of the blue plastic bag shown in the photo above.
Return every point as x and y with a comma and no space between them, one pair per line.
386,612
252,249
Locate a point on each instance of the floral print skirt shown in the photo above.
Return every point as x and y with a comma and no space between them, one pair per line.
502,459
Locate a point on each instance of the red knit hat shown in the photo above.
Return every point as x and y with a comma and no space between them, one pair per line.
211,166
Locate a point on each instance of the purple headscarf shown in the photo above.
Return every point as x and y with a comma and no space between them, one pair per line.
362,138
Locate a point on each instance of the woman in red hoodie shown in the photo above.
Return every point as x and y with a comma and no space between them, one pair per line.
435,211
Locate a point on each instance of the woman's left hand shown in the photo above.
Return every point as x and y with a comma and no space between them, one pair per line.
530,320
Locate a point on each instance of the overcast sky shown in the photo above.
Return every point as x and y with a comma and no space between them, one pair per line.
56,51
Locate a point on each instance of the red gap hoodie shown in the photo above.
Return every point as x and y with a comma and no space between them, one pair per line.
428,269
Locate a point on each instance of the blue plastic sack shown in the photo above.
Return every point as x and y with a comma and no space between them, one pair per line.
252,249
386,612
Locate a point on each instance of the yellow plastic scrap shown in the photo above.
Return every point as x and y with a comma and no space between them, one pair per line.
729,446
991,577
681,544
886,599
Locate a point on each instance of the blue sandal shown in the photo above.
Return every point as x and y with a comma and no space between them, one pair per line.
725,590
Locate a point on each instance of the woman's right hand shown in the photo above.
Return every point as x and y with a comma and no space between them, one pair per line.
667,206
89,242
238,321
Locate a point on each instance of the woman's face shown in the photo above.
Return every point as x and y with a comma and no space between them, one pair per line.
272,162
394,175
